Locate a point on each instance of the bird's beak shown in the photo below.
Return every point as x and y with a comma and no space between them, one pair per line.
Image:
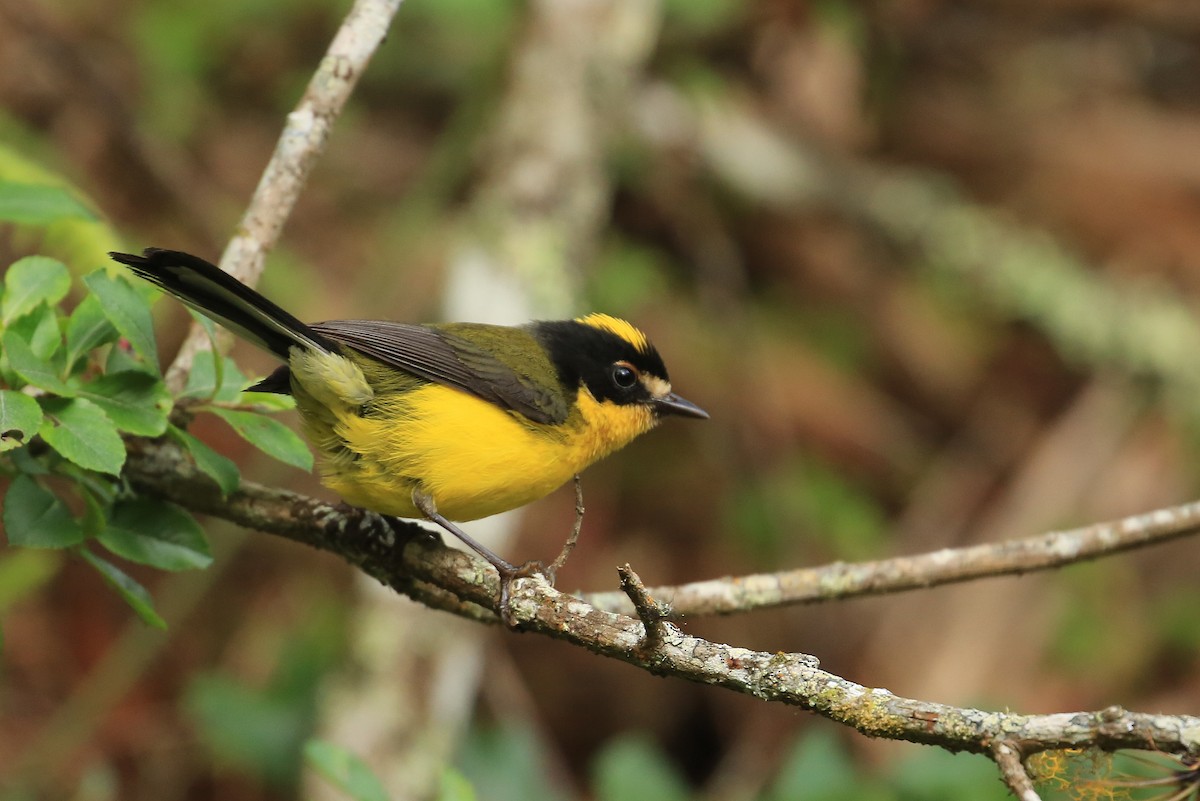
673,404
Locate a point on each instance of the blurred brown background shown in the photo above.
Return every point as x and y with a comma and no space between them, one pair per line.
931,265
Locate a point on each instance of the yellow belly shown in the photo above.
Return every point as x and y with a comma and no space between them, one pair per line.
473,458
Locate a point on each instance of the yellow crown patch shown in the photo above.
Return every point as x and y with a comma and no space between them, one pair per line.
617,326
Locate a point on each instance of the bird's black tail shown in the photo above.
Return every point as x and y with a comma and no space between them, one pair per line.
217,294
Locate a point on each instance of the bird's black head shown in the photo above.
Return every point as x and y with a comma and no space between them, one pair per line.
614,360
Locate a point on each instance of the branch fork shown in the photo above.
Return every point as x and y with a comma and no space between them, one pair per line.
652,613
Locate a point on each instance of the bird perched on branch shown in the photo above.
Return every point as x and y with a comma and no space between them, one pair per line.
448,421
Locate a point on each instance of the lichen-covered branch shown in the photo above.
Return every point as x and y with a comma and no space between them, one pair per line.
403,558
840,580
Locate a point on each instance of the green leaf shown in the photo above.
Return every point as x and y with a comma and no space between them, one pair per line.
122,359
214,378
156,533
34,517
134,401
212,374
81,431
32,281
270,436
344,770
40,330
266,401
41,373
127,311
24,462
87,329
20,417
34,204
219,468
134,594
98,498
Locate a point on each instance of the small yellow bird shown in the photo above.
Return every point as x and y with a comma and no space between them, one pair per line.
450,421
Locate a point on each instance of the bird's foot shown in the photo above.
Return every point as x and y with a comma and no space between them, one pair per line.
508,574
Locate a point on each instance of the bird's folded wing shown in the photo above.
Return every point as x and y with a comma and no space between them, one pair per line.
439,355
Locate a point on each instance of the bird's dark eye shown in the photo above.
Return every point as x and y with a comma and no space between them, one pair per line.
623,375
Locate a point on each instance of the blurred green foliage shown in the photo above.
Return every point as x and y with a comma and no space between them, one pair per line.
702,17
23,572
47,214
344,770
632,768
837,335
262,730
508,761
1099,625
185,48
801,503
1174,615
816,767
462,44
626,275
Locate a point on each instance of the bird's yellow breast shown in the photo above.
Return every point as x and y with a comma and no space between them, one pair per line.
473,458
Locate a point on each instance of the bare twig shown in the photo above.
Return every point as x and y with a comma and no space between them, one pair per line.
457,582
652,613
299,146
839,580
1012,769
573,539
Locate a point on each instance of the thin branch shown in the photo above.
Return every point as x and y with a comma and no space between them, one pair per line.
443,578
300,145
731,595
652,613
1012,769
